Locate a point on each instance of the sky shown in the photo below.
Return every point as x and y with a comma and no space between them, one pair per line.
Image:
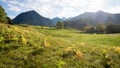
59,8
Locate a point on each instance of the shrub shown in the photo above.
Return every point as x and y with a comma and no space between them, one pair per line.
22,40
79,54
15,39
60,64
117,49
45,43
37,51
1,38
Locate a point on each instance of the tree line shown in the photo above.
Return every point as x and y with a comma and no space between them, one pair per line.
99,29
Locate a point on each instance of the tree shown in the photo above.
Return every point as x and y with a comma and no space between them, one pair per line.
89,29
67,24
60,25
112,28
9,21
100,28
2,15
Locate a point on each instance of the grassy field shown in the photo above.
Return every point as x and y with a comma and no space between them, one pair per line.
33,47
77,36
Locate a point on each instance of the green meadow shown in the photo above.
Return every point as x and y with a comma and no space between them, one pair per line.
77,36
48,47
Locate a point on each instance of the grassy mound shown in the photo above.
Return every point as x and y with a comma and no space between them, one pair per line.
33,47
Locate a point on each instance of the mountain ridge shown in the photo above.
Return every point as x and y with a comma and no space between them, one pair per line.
87,18
32,18
56,19
93,18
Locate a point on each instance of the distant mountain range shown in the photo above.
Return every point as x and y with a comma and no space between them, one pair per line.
92,18
99,17
32,18
87,18
56,19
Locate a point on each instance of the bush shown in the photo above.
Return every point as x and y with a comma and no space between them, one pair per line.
8,36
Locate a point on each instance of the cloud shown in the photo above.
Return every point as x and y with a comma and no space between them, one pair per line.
75,3
14,8
95,5
115,9
62,8
12,5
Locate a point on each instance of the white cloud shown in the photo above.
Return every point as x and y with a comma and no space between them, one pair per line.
12,5
61,8
115,9
14,8
13,2
95,5
75,3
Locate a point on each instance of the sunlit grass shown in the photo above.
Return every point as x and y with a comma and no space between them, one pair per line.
76,36
48,47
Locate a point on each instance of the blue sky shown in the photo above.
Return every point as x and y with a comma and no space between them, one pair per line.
59,8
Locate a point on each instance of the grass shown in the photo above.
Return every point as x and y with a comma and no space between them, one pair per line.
77,36
34,47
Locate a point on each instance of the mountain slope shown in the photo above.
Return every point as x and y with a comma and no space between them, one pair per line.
32,18
33,47
56,19
93,18
99,17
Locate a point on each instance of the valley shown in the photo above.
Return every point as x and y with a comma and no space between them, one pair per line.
59,34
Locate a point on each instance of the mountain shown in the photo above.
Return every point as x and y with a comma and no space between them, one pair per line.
32,18
98,17
93,18
56,19
63,18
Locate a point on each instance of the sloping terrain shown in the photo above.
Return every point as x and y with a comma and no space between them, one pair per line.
92,18
56,19
34,47
32,18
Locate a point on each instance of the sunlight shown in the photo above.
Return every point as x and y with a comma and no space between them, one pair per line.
59,33
96,5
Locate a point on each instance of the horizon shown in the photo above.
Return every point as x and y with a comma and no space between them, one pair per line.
59,8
